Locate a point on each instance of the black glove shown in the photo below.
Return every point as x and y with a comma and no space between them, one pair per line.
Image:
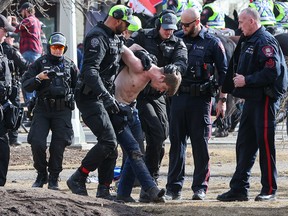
109,103
170,68
145,59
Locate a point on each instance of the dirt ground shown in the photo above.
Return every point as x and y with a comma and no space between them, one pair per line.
18,198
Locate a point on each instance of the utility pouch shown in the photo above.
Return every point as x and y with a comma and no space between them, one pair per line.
69,101
12,116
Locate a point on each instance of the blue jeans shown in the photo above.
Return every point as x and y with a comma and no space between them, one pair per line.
31,57
134,165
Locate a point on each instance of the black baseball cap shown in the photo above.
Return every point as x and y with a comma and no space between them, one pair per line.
5,24
25,6
169,21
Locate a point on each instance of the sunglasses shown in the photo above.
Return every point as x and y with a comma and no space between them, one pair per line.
188,24
57,47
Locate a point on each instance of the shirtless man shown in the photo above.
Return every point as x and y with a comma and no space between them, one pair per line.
129,82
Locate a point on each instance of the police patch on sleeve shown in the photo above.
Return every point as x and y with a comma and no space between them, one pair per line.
94,42
268,51
270,63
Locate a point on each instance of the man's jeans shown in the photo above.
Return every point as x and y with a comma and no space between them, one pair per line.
31,57
134,164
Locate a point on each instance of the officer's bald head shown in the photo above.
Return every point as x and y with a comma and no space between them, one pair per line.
190,13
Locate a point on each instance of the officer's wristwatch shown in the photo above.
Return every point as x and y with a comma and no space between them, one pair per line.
223,99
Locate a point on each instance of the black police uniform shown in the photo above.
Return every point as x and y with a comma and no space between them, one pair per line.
191,108
52,111
151,103
5,84
260,60
18,65
102,52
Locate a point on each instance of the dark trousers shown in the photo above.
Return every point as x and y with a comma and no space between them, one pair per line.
256,132
154,121
59,122
4,154
104,154
15,100
189,117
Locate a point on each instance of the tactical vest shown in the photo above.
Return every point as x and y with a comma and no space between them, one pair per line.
217,19
265,11
60,81
282,18
194,4
5,76
110,63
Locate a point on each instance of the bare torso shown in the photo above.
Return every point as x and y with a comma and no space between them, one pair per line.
129,82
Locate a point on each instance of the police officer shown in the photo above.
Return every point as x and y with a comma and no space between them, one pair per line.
190,109
178,6
94,98
280,10
262,85
17,65
171,53
265,10
53,76
212,15
5,84
133,28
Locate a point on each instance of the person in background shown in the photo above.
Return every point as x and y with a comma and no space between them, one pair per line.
30,40
280,11
258,74
132,28
212,16
53,77
265,10
18,65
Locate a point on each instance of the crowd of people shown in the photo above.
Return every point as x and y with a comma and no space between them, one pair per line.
137,84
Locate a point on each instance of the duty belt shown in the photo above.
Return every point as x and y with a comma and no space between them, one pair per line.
52,104
195,89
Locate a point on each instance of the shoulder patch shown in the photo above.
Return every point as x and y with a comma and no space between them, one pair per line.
94,42
270,63
268,51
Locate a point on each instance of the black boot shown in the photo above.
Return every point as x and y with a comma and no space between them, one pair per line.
103,192
154,194
77,183
53,182
42,178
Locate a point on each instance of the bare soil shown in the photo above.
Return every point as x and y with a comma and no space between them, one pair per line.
18,198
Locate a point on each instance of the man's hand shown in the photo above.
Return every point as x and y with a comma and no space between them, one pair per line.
170,68
110,103
239,80
145,59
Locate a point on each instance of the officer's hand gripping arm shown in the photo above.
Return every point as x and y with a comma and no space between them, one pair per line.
170,69
109,103
145,59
